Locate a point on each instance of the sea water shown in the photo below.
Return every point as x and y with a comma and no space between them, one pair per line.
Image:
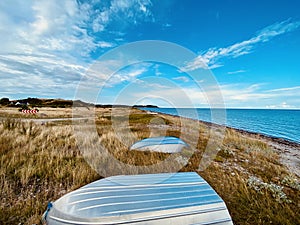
272,122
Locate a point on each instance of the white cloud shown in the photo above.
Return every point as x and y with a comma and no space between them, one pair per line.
297,88
46,44
165,93
127,74
104,44
241,95
46,26
156,69
146,85
121,12
33,74
282,105
167,25
236,72
211,58
182,78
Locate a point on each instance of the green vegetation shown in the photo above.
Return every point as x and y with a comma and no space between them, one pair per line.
40,163
4,101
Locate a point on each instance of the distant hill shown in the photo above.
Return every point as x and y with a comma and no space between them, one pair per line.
145,106
37,102
59,103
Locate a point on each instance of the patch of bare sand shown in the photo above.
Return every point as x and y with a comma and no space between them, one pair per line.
289,151
289,154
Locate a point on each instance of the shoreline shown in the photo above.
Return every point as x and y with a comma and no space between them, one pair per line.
289,151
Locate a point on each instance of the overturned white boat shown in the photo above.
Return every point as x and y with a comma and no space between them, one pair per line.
177,198
160,144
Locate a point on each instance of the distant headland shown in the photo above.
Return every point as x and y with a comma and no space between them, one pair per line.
61,103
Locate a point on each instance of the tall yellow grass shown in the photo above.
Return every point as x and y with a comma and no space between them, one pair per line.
40,163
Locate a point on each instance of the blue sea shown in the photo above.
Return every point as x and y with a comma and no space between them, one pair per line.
272,122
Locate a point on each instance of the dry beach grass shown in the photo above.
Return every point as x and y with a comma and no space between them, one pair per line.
41,162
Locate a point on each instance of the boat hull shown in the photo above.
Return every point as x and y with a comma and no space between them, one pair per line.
152,199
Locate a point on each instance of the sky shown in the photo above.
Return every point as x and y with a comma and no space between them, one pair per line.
246,53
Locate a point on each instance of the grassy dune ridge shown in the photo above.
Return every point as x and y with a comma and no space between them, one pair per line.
42,162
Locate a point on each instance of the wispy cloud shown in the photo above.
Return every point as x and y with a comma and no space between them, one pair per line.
154,85
297,88
282,105
38,75
236,72
214,56
156,70
121,12
235,95
182,78
258,95
128,74
53,42
68,26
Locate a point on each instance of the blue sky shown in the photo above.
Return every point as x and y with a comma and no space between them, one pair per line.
49,49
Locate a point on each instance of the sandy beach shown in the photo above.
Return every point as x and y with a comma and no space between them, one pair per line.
289,151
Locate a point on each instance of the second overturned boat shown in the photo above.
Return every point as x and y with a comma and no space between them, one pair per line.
164,144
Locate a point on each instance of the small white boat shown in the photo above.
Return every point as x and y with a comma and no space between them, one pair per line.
160,144
152,199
